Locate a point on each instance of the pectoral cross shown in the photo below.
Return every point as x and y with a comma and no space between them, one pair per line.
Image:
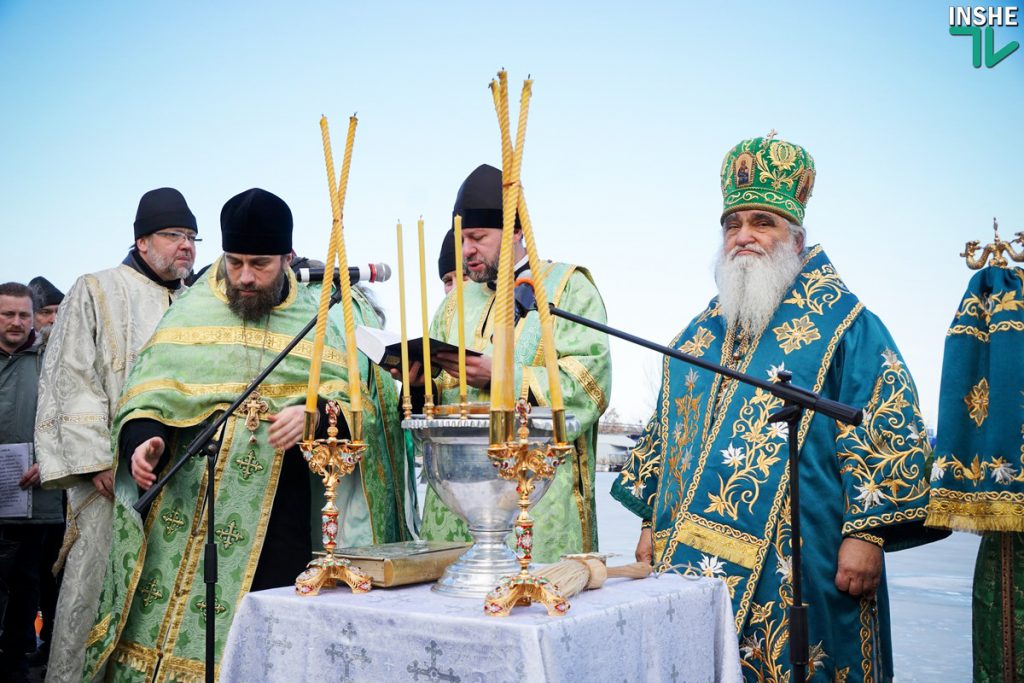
254,408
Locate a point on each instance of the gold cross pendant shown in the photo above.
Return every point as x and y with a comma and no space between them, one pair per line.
254,408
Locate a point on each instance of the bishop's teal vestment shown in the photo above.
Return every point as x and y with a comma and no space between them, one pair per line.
712,474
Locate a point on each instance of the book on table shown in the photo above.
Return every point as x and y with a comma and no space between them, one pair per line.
404,562
384,347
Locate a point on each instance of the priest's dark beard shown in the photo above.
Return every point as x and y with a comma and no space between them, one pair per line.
488,274
252,308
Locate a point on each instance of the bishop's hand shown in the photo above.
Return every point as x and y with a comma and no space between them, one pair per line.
645,547
144,461
859,568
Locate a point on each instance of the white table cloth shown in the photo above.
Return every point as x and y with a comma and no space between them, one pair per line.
657,629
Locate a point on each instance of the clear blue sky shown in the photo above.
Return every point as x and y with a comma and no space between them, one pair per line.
634,106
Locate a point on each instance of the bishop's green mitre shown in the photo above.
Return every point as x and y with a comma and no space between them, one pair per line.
764,173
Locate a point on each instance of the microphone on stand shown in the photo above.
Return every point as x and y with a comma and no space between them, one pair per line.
371,272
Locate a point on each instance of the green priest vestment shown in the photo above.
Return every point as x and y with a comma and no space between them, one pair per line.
151,616
565,519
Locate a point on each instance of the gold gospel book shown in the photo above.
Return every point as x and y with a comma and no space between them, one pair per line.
405,562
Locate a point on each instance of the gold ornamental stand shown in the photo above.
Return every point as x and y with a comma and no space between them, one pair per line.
516,461
998,250
331,458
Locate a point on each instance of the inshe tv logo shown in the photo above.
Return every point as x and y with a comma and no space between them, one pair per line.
969,21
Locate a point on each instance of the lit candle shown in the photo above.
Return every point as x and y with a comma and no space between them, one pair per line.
406,397
325,292
428,378
460,310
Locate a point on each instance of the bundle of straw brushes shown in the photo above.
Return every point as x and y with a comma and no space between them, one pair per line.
588,571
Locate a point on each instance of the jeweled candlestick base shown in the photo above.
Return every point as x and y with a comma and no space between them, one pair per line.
516,461
332,459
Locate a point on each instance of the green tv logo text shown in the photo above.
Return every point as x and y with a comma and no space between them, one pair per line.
970,21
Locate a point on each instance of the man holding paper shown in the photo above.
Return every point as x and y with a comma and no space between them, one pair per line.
565,518
28,514
215,340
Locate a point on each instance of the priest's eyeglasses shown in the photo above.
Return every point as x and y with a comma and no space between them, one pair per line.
176,237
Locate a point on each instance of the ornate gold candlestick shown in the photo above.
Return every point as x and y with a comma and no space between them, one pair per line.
332,459
516,461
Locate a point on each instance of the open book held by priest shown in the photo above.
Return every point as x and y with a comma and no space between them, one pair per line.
384,347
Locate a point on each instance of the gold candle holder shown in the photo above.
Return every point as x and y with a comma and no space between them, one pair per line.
331,459
515,460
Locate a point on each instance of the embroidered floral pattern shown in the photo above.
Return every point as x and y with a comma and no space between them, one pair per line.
977,401
796,333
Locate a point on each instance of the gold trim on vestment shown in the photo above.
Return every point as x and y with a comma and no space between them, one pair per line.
782,493
64,418
580,373
97,631
117,359
177,604
236,388
136,657
868,628
982,335
273,477
241,336
976,511
580,487
717,539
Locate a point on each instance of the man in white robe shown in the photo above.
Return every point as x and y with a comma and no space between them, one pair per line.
104,321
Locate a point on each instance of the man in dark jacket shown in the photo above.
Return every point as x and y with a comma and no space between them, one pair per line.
23,534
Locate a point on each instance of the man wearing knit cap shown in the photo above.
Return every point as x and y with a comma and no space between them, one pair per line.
565,519
446,261
46,299
211,344
104,322
709,476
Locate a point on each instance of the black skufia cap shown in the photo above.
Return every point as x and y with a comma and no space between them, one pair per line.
446,261
162,208
479,199
44,293
256,222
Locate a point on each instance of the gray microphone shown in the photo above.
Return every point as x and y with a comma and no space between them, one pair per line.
371,272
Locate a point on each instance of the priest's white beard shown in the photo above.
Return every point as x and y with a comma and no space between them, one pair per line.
750,288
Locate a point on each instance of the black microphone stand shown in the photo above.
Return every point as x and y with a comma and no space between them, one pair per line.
796,400
208,443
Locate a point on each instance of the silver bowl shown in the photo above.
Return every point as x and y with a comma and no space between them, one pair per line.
460,473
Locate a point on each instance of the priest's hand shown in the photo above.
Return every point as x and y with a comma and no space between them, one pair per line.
478,368
144,461
30,478
104,483
286,427
415,374
645,547
859,568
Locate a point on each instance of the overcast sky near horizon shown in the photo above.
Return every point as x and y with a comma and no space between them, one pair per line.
634,106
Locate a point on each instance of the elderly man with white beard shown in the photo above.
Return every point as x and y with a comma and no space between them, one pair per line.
709,475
